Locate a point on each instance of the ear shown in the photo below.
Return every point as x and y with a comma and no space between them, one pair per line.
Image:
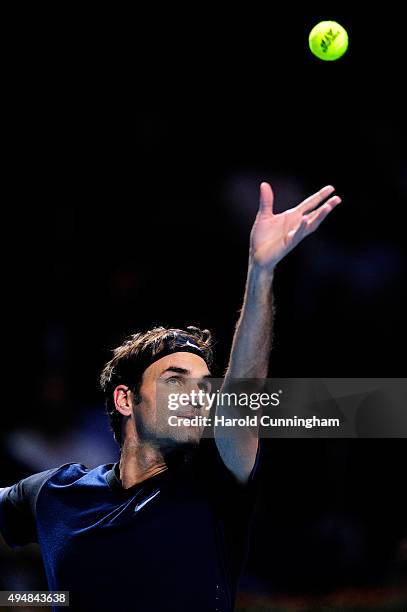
121,396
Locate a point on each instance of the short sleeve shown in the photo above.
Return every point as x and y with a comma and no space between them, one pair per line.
17,509
229,493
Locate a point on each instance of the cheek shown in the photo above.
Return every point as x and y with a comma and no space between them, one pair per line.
154,405
160,398
162,404
146,407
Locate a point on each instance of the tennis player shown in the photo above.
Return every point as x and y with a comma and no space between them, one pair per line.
165,529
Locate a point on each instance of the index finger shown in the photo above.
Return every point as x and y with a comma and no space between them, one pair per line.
316,199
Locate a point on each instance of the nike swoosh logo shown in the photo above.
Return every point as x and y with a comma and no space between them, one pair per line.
145,501
188,343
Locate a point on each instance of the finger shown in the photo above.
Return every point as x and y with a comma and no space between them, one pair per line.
297,233
266,198
316,199
317,216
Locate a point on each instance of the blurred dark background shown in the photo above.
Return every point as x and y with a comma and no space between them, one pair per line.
134,149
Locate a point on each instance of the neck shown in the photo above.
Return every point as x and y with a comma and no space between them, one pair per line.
139,461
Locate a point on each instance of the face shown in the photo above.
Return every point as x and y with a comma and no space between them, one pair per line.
174,374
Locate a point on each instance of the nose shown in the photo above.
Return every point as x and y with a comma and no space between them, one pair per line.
197,398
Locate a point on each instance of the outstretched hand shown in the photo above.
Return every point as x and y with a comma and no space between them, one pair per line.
275,235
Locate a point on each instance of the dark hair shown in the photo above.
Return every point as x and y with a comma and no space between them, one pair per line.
126,367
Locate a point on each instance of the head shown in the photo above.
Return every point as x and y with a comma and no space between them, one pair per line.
142,374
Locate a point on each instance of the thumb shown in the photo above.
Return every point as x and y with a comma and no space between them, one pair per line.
266,198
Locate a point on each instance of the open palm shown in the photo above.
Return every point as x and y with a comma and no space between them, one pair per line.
275,235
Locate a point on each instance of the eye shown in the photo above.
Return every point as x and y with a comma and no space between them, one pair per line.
174,380
205,386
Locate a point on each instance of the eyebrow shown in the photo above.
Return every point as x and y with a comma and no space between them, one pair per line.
182,371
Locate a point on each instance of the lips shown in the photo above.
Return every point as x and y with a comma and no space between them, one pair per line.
187,415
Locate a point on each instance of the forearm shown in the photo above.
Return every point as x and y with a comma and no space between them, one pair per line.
252,340
248,359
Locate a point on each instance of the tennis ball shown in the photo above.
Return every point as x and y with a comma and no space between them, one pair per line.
328,40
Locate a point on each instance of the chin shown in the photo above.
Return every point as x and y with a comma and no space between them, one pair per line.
183,440
188,439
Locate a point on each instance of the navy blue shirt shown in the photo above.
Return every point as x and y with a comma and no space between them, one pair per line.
176,542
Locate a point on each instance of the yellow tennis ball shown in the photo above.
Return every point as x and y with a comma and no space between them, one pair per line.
328,40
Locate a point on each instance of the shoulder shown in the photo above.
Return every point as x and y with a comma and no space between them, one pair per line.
27,490
73,476
20,502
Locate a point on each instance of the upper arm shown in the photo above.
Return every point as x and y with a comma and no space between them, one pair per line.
17,509
238,453
236,427
2,540
223,482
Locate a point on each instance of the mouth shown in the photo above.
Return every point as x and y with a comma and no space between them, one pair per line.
187,415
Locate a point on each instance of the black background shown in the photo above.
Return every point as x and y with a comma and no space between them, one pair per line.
134,148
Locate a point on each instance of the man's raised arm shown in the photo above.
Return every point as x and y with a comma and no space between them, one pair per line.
271,238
